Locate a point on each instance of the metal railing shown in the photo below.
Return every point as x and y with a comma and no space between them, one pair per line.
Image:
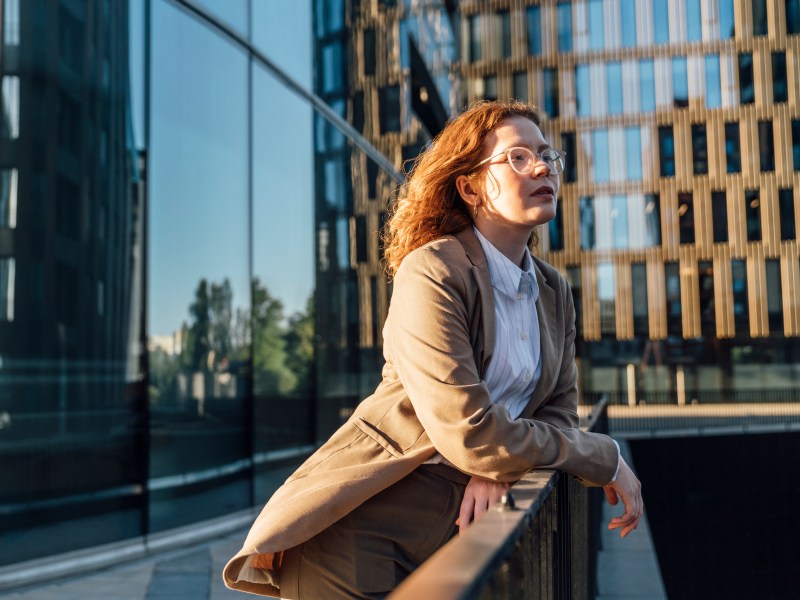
542,544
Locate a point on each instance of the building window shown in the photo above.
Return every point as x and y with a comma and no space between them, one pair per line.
641,325
628,12
7,275
727,25
534,21
694,28
666,150
719,214
774,295
475,38
661,19
747,93
9,123
389,102
521,85
490,87
753,212
551,91
606,294
766,146
673,284
596,24
504,17
587,223
564,26
633,153
333,74
759,17
792,16
733,156
574,279
796,143
570,174
372,178
699,149
614,82
647,85
583,90
11,22
686,218
358,112
619,221
556,227
713,86
361,238
652,214
8,198
680,82
600,171
741,312
708,325
786,206
780,89
369,51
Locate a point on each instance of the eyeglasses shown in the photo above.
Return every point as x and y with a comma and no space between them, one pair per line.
523,160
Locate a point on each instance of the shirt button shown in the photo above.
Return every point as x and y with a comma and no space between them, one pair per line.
523,335
527,375
520,296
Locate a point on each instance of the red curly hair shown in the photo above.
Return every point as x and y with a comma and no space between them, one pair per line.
428,204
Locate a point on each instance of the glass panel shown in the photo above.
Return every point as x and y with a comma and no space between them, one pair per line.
564,26
198,282
277,26
600,171
570,173
619,220
661,20
780,89
699,149
753,212
694,28
369,51
796,143
713,85
652,211
583,90
786,203
708,324
686,218
680,82
628,13
489,90
726,20
521,85
11,22
647,85
596,24
766,146
9,125
673,285
666,148
556,228
732,155
534,22
574,279
719,213
475,38
333,70
328,15
233,12
759,17
792,16
774,295
505,33
7,288
639,299
389,108
587,223
550,77
633,153
606,295
614,82
747,92
741,311
8,198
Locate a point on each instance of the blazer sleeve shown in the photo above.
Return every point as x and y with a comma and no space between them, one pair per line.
427,339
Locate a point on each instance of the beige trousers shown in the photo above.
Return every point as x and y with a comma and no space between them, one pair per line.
366,554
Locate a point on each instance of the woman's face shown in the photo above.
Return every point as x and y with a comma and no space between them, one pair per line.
511,200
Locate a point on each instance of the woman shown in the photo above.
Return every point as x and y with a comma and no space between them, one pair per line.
479,384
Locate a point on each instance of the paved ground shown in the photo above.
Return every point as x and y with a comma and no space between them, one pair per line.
188,574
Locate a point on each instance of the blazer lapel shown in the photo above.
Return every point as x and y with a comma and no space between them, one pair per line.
551,340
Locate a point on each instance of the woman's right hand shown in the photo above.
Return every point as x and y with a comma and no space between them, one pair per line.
479,496
628,488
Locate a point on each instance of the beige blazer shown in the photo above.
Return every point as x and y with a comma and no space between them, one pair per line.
438,339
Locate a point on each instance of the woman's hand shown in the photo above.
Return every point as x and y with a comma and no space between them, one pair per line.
628,488
479,495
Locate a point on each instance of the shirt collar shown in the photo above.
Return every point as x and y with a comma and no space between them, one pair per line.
507,277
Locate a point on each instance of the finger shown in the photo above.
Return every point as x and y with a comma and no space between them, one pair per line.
481,506
629,528
611,495
465,514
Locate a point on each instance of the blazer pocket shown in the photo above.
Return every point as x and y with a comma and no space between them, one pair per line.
371,431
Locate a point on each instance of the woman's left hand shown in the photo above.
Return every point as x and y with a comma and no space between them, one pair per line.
479,495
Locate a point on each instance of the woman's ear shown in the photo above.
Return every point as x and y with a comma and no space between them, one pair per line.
468,190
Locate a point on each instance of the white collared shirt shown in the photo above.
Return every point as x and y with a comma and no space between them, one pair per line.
516,364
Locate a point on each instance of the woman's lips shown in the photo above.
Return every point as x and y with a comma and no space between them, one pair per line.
545,190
